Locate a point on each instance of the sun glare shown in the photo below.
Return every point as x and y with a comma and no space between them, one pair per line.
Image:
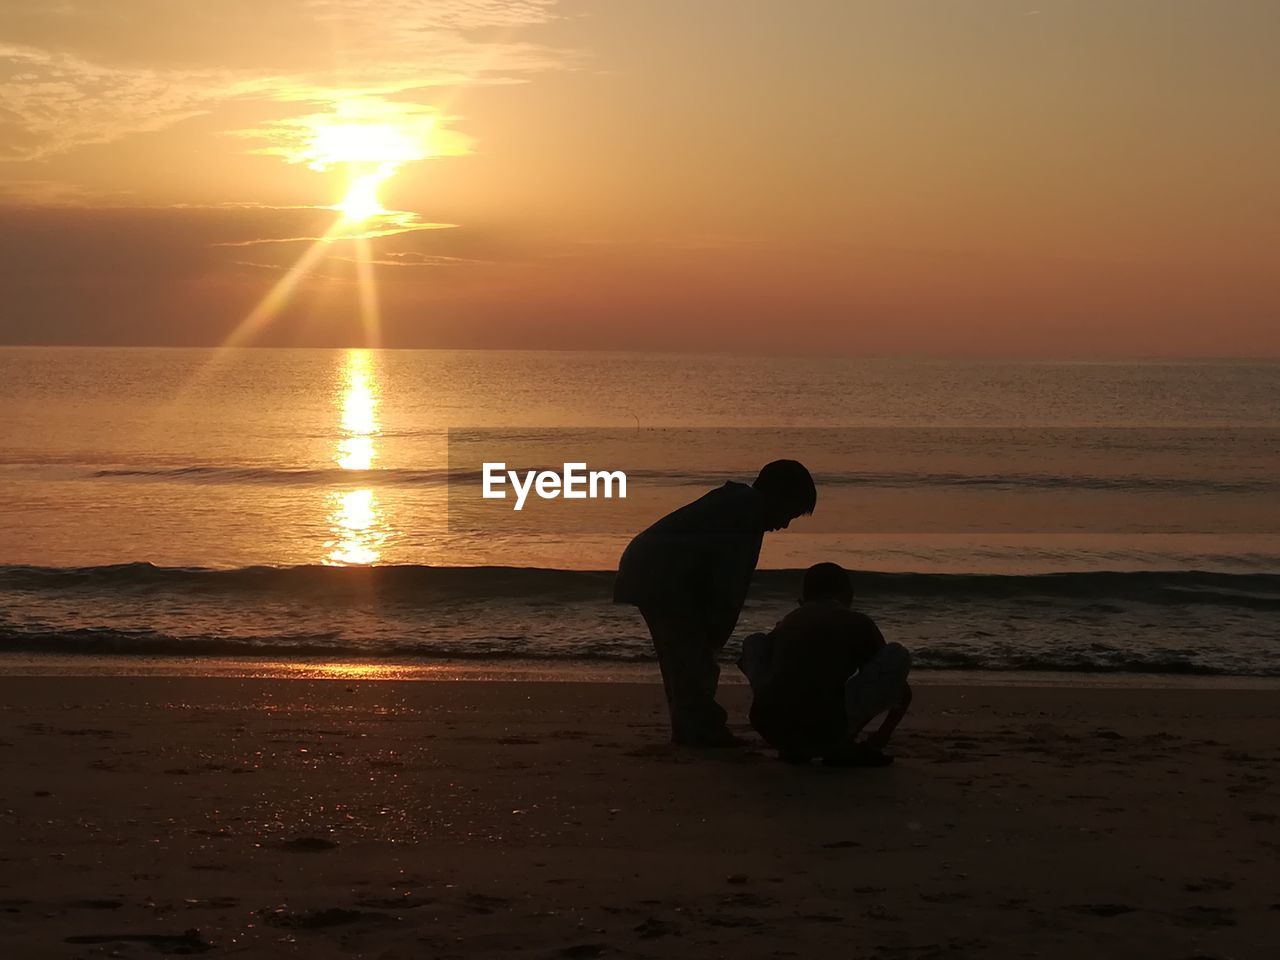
361,200
367,138
369,143
372,153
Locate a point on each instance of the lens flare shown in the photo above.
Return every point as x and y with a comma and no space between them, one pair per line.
361,201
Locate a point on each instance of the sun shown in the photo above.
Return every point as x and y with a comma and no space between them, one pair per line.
371,149
371,153
363,135
368,139
368,142
361,200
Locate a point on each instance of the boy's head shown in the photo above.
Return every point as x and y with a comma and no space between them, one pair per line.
788,492
827,581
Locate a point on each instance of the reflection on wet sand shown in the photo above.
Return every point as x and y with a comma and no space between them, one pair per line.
356,521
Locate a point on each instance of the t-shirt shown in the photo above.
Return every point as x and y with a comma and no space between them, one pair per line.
813,651
698,559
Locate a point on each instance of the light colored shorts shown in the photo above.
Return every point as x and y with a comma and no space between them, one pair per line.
878,686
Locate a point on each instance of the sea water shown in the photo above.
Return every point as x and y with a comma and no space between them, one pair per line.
299,504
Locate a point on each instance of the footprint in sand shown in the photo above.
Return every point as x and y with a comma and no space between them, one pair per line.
484,903
395,903
303,845
1211,883
651,750
185,943
1105,909
651,928
1204,916
318,919
582,951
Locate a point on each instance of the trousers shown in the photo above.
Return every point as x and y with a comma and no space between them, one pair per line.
690,673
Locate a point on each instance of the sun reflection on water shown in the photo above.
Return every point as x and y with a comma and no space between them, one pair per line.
355,453
356,520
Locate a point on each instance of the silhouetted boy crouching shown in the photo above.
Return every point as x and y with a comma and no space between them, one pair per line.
689,573
822,674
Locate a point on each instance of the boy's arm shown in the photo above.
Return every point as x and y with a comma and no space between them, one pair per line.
865,640
872,640
880,739
732,567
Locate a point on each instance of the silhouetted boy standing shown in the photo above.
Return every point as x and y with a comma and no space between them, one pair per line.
689,573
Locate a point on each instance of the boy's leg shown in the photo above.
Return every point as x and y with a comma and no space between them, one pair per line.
690,676
880,686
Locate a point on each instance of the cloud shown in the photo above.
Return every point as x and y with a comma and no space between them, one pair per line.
413,258
81,74
51,102
54,193
399,259
361,130
407,20
390,224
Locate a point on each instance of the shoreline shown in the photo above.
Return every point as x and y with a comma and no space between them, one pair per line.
76,665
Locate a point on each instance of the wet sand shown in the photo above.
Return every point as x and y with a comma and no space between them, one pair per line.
344,818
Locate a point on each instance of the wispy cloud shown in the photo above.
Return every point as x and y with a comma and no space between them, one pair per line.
400,259
390,224
51,102
410,258
72,81
43,192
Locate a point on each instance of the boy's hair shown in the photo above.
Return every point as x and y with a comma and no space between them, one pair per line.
824,580
788,480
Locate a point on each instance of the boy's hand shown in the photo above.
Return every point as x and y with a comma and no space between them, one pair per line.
880,738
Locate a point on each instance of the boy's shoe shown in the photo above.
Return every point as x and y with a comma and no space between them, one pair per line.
856,755
719,739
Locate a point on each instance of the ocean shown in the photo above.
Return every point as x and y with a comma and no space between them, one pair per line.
310,505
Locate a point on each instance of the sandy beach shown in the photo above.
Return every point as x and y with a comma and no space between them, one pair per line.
349,818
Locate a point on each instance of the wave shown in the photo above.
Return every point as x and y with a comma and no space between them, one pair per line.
288,476
392,477
409,580
329,647
1258,591
290,646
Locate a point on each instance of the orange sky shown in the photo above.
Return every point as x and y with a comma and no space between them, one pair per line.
963,177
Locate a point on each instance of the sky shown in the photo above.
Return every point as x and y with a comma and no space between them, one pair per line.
1049,178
